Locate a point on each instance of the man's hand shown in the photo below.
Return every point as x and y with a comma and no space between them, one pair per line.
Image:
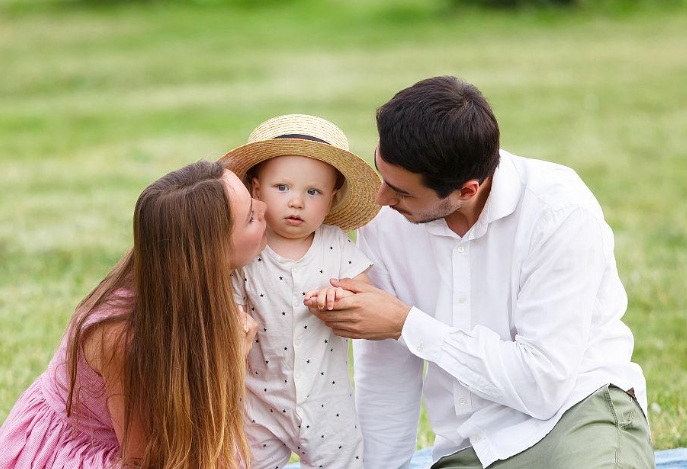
368,313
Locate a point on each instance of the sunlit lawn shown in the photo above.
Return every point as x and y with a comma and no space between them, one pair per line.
96,102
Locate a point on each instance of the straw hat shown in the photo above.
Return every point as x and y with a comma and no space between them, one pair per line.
302,135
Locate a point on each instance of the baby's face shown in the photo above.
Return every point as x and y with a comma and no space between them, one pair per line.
298,192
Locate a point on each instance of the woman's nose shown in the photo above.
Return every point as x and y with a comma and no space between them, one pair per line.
260,208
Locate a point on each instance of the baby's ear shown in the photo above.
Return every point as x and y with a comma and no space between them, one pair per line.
333,198
255,188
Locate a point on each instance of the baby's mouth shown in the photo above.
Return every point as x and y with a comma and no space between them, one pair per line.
294,220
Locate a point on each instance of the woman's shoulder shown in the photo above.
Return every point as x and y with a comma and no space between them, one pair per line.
103,344
105,330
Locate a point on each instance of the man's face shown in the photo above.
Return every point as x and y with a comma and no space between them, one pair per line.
405,192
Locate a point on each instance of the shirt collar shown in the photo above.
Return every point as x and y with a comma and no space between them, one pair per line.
505,190
502,201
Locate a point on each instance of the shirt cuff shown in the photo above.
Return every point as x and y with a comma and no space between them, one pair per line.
424,335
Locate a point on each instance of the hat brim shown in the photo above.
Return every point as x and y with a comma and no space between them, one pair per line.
357,204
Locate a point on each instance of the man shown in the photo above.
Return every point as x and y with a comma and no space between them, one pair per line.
504,284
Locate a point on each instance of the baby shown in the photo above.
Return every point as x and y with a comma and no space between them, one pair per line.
299,397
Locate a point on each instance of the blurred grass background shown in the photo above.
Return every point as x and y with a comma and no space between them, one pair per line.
99,98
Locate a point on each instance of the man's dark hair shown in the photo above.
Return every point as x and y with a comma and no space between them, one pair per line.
443,129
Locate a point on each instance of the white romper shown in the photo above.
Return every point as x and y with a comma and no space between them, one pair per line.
299,397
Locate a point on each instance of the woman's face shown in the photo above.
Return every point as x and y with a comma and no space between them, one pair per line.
249,235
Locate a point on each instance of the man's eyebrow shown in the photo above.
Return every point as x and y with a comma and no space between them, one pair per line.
396,189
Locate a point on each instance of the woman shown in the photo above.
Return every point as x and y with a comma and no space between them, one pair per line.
150,373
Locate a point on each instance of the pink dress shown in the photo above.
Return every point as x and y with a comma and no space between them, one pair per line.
38,434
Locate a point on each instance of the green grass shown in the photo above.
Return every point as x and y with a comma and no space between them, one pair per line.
99,99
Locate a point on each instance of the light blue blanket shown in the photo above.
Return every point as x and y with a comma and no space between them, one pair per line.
666,459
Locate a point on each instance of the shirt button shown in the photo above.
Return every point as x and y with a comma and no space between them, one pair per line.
461,299
477,437
462,401
298,341
420,348
460,249
297,375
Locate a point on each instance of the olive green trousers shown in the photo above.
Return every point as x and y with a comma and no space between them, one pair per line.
606,430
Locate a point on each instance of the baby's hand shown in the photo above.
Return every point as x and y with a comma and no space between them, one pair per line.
324,298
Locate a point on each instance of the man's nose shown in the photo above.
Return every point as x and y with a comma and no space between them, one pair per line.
386,196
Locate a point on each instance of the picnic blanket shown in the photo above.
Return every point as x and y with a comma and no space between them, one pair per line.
665,459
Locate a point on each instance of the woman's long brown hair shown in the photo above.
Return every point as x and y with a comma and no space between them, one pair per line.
183,363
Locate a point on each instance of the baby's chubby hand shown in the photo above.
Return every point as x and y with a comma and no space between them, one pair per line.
325,297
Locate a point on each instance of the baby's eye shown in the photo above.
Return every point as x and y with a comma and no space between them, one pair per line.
281,187
314,191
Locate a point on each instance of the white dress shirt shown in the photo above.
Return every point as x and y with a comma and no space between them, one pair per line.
517,321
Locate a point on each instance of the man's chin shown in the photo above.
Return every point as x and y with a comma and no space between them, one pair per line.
414,219
406,215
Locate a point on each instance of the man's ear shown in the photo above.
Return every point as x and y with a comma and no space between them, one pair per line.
255,188
469,189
